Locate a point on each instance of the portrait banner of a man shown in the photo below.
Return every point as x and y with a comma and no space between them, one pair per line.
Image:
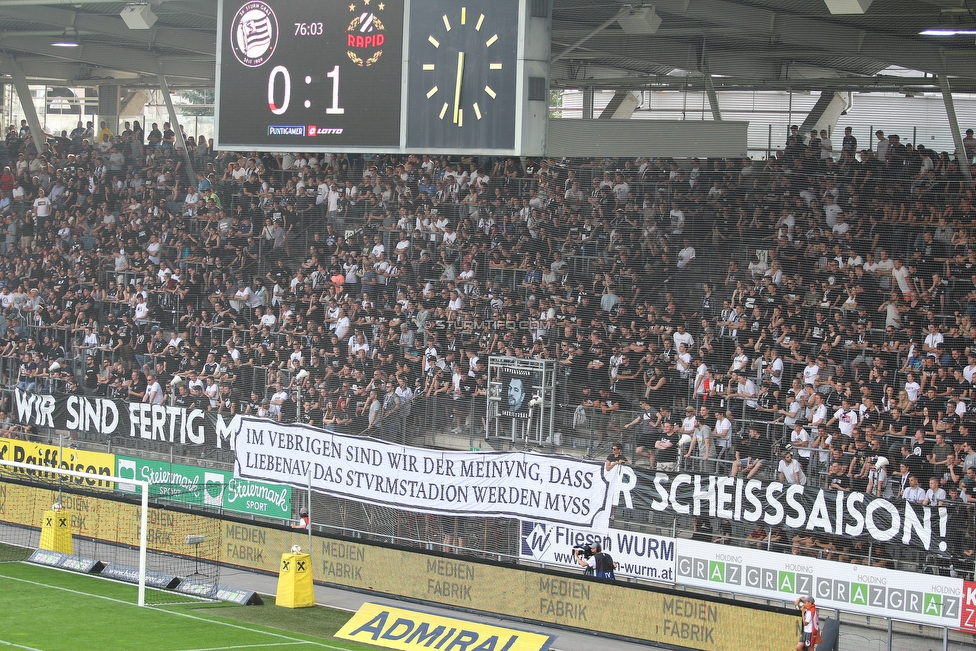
517,391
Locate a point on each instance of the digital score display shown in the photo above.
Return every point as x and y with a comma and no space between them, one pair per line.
309,74
382,76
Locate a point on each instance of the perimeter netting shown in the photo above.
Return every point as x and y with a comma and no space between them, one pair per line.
93,524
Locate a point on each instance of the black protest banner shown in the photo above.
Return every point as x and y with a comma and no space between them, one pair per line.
820,511
114,418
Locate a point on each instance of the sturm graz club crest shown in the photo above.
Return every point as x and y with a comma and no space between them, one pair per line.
365,36
254,34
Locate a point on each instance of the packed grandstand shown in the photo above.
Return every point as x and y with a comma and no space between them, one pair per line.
807,318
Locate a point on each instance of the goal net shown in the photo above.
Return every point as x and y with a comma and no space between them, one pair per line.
119,528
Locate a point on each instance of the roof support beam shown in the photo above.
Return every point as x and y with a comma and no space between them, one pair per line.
813,117
623,12
948,4
825,113
723,59
27,104
196,41
877,84
588,94
613,104
826,36
950,108
621,106
175,124
26,3
44,70
116,58
712,95
675,53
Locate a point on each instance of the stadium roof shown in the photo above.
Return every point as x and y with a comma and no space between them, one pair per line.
754,44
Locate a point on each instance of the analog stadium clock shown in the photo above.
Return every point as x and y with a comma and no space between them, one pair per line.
462,74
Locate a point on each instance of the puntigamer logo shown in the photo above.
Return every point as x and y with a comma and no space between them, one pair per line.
865,591
286,130
254,34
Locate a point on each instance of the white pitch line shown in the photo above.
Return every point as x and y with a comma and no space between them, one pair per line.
246,646
54,587
18,646
172,612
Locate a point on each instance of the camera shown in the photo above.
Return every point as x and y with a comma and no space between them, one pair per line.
583,550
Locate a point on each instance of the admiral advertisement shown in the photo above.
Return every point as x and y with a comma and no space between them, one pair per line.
638,555
490,484
413,630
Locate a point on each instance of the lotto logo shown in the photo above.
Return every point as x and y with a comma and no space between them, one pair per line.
313,131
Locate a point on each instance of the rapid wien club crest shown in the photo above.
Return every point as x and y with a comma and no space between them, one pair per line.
366,35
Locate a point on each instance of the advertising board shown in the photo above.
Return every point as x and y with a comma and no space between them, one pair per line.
908,596
206,487
637,555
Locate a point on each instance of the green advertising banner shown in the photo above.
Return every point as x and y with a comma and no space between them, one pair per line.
206,487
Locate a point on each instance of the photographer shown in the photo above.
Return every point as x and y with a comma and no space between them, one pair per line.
596,563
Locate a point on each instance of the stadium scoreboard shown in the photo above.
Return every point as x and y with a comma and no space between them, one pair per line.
383,76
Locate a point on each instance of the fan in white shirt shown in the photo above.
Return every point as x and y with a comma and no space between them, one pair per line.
912,388
154,392
811,372
790,471
800,439
935,495
42,205
914,494
342,325
933,341
686,255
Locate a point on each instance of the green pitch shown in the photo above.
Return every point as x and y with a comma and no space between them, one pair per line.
50,610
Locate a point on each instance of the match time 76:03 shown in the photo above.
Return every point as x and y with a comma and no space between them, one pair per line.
309,29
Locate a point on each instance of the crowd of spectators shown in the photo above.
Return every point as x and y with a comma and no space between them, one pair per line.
819,303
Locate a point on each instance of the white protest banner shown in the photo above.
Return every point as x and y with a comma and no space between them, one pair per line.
638,555
907,596
492,484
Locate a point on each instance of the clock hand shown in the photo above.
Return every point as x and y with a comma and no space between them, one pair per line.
457,87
